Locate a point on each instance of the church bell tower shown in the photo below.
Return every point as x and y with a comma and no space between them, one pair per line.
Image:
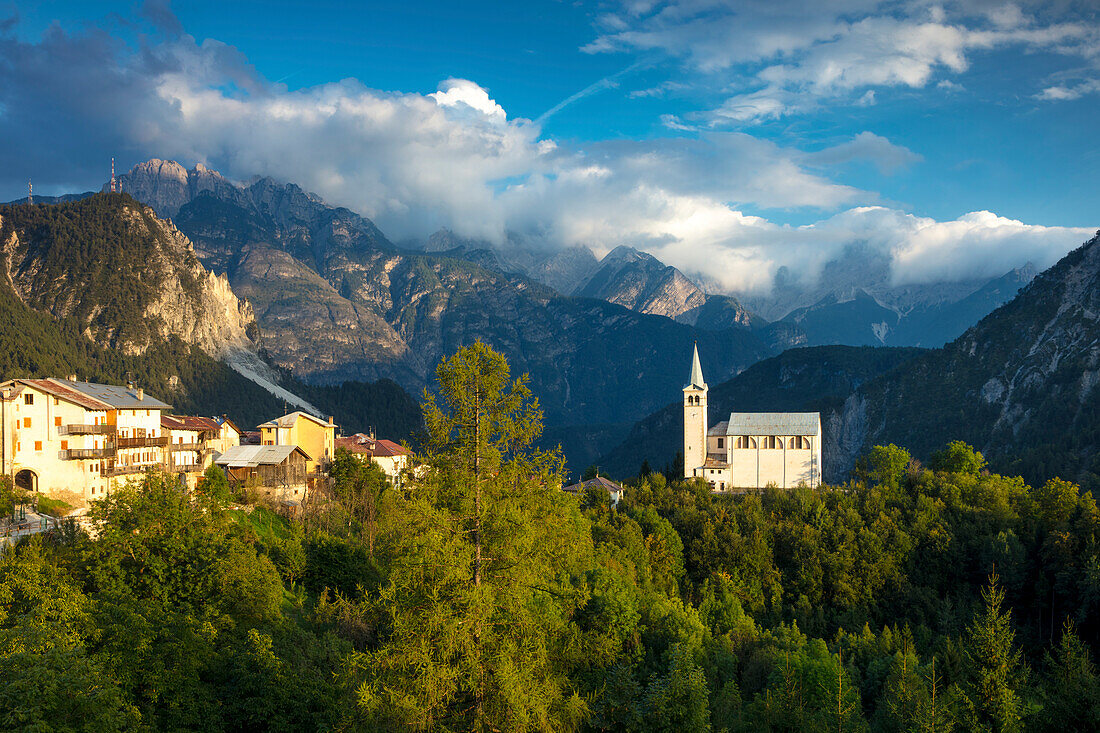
695,418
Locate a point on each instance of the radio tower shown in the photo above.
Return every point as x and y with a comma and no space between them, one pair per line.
30,192
112,175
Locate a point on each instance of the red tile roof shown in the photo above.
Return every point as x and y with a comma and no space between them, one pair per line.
188,422
365,445
63,392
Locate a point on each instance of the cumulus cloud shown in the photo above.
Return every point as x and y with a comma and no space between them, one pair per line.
464,94
453,157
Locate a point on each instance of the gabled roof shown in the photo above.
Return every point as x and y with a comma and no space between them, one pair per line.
51,387
365,445
720,428
223,420
599,481
117,398
774,423
287,421
188,422
251,456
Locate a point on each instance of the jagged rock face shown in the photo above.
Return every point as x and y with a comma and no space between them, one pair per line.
1020,385
166,185
335,301
642,283
129,277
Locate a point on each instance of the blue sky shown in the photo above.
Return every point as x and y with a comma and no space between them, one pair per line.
752,134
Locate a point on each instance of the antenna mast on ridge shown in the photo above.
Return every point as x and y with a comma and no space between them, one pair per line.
30,192
113,175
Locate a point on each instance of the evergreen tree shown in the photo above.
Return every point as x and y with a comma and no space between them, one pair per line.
477,601
992,692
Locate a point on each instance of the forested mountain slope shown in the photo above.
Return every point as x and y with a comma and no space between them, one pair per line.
1020,385
102,289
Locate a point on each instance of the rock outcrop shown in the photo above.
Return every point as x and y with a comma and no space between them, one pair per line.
127,276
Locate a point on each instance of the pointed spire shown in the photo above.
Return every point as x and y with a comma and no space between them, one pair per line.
696,371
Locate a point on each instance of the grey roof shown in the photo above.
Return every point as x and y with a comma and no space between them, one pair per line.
287,421
250,456
696,380
720,428
774,423
119,398
611,486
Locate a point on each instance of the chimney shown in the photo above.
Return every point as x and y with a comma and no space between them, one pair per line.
72,377
129,384
330,419
140,394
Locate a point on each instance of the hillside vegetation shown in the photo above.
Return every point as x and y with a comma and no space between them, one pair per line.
480,597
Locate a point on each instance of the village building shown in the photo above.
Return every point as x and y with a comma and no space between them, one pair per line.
314,436
229,435
64,435
392,458
599,482
278,471
750,450
194,442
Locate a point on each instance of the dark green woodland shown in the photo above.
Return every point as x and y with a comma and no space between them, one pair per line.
480,596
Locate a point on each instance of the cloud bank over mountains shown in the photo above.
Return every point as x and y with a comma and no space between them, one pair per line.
416,162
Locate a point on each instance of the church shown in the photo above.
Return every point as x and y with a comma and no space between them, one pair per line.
750,450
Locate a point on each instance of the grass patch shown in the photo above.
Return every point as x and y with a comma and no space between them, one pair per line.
265,523
53,507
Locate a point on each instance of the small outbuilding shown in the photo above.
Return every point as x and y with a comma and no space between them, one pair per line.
278,470
612,488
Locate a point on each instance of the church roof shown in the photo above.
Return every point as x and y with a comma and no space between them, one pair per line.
696,380
774,423
720,428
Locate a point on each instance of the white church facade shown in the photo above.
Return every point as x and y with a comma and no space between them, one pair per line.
750,450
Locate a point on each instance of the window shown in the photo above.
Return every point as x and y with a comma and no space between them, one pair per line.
64,445
28,399
56,402
57,422
721,443
38,445
26,422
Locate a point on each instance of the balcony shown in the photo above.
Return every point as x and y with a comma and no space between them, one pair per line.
186,446
127,470
86,430
187,468
145,442
75,453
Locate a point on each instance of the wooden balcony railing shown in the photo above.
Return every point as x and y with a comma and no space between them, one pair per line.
86,430
74,453
145,442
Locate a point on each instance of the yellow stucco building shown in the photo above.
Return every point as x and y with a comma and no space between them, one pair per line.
316,437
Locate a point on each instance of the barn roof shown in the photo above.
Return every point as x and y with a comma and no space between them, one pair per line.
250,456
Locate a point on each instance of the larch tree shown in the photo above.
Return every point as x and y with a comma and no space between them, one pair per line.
484,550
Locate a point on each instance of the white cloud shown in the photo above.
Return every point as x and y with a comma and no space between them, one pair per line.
784,57
415,162
462,93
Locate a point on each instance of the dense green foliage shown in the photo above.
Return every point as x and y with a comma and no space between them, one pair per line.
481,597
